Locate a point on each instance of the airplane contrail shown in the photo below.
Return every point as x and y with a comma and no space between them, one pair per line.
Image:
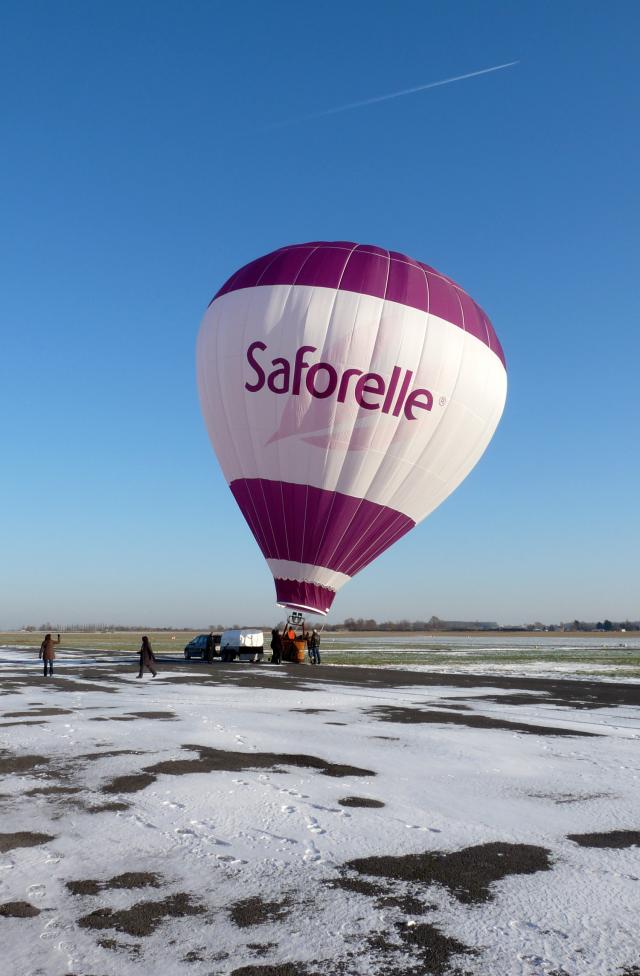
385,98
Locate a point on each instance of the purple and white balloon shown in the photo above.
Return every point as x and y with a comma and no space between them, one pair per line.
347,390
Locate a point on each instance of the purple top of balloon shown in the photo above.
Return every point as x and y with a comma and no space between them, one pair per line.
373,271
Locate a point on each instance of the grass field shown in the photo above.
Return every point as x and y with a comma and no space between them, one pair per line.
616,655
126,641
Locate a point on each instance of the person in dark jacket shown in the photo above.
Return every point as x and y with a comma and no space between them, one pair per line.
314,647
276,646
208,653
48,653
147,657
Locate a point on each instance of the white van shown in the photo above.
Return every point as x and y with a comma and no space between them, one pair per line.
245,645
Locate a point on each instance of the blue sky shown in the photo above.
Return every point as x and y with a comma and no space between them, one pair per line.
139,169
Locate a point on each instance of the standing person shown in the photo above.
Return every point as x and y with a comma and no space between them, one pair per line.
314,647
147,657
208,654
276,646
47,653
288,647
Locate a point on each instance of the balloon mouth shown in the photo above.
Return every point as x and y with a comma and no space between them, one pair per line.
300,595
301,606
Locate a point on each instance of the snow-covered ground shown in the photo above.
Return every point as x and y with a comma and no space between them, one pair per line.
243,855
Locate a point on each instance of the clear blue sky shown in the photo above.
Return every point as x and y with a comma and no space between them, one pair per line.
138,171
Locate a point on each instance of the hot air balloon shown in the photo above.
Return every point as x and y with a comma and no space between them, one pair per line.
347,390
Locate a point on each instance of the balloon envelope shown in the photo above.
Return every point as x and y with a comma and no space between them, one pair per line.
347,390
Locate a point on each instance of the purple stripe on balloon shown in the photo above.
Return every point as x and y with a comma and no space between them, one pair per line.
304,524
303,596
366,273
369,270
408,285
443,299
286,266
324,266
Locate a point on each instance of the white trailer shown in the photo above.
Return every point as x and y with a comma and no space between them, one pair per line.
245,645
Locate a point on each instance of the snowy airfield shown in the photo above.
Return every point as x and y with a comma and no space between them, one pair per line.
250,820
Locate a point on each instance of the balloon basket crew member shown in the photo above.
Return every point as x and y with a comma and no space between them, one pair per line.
314,647
147,657
293,647
48,653
276,646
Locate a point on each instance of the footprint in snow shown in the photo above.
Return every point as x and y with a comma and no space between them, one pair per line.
186,832
240,782
36,890
67,947
533,960
288,809
518,924
173,805
141,822
314,826
51,930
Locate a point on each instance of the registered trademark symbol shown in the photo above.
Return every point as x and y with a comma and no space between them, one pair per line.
442,401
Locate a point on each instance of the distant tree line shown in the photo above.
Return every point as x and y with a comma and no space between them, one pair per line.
603,625
100,628
433,624
354,624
